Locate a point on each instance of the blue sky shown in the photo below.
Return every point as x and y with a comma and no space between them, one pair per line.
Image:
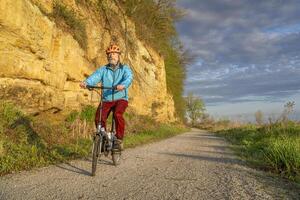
247,54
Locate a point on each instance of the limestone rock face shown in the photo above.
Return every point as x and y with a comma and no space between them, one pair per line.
41,64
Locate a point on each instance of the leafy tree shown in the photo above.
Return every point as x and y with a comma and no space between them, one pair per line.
194,108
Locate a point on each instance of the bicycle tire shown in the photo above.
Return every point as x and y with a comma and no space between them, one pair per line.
116,157
96,148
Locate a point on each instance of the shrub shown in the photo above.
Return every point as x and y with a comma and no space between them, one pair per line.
8,113
88,113
73,115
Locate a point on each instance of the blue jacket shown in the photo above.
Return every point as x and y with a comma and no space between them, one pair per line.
122,75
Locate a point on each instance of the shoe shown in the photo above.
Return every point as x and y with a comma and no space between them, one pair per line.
118,145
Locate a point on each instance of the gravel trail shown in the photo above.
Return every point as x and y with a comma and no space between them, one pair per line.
194,165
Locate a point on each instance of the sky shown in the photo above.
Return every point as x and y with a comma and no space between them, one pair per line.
247,54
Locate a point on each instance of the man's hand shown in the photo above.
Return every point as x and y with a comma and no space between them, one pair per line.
82,85
120,87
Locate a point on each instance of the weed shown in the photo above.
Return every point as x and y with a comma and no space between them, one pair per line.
88,113
72,116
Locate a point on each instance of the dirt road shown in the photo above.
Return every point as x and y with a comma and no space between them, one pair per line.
195,165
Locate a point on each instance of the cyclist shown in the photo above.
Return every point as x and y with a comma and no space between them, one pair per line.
118,75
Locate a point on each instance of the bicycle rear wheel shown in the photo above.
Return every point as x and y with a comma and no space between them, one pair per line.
96,152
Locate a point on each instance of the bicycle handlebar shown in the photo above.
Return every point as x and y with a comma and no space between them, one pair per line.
101,87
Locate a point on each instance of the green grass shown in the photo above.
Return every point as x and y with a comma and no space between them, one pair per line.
88,113
274,147
25,156
28,142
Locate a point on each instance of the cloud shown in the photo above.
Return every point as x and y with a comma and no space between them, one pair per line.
246,48
237,82
234,30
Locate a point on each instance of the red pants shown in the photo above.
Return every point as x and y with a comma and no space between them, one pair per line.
118,107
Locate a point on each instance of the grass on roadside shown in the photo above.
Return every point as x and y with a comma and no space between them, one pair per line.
273,147
26,142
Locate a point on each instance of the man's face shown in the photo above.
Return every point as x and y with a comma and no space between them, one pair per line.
113,58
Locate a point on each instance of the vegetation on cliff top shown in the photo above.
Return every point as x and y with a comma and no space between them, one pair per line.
155,24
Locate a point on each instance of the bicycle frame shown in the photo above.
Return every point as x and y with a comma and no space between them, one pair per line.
101,101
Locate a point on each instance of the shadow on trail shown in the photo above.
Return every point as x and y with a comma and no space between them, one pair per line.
217,152
72,168
207,158
222,148
202,137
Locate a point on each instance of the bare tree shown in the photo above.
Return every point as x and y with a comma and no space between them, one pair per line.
288,109
259,117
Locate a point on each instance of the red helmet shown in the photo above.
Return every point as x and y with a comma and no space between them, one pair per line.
113,48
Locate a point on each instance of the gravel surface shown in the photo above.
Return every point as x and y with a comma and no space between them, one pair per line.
194,165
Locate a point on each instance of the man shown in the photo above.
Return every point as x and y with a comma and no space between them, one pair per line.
118,75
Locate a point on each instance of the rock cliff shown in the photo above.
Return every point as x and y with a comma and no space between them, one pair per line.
42,61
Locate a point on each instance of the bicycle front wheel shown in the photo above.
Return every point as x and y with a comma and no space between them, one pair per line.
96,152
116,157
